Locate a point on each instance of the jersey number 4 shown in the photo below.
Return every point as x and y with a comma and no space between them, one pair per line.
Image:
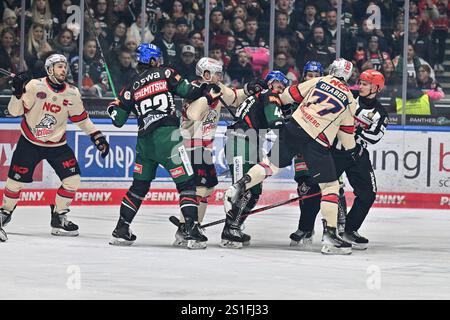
331,104
158,102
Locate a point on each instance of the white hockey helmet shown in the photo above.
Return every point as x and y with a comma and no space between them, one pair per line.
52,59
341,68
208,64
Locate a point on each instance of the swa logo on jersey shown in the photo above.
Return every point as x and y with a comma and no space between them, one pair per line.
118,164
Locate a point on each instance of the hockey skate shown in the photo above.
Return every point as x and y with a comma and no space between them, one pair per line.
180,236
358,242
195,237
302,239
122,234
60,225
332,243
233,237
5,218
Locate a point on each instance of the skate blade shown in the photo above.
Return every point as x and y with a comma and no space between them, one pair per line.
302,244
120,242
64,233
331,249
3,236
194,244
180,243
231,244
359,246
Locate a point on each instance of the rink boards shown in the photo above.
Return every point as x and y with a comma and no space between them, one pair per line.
412,170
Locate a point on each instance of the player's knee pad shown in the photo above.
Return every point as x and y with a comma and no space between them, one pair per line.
139,188
269,167
71,183
330,191
204,193
13,185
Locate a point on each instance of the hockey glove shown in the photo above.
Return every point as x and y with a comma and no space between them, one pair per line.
100,142
254,86
212,93
19,82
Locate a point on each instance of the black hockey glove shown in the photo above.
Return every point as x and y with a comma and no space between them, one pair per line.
212,93
100,142
19,82
254,86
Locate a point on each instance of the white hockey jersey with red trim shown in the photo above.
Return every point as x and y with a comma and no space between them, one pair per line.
45,112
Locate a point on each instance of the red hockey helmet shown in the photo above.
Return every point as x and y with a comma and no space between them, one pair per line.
374,77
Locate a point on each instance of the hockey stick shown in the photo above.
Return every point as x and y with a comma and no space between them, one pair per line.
102,59
176,221
228,108
7,73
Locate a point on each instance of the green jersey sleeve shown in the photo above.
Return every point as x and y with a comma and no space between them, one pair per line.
182,87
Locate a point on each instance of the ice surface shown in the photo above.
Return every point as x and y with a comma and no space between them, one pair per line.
408,258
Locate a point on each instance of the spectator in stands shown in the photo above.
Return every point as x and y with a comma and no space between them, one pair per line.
391,79
122,70
251,38
196,40
373,57
103,14
284,6
417,102
122,11
14,5
64,44
428,85
230,48
116,38
330,27
186,67
216,52
7,47
178,10
305,26
218,32
282,28
95,80
135,29
166,42
318,49
422,43
361,41
440,34
413,63
182,34
131,45
10,22
41,14
240,12
239,28
60,12
280,63
36,44
240,69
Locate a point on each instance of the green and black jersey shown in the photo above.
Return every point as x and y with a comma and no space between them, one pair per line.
260,111
149,97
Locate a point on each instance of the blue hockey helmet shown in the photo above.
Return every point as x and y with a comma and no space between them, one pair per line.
278,76
146,52
313,66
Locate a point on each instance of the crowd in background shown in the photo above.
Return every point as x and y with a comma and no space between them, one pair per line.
239,37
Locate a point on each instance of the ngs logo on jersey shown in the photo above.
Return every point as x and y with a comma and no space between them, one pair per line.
119,163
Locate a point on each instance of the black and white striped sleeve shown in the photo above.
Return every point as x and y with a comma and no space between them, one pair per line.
375,130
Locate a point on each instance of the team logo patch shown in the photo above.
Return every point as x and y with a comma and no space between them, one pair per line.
41,95
177,172
301,166
168,73
127,95
137,168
